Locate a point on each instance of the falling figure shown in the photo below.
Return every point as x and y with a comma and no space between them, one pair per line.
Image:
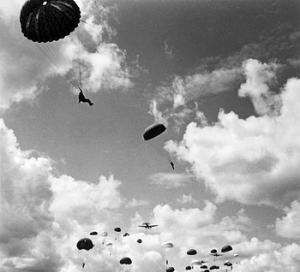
83,264
172,164
81,98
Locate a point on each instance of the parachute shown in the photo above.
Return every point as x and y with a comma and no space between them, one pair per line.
204,266
188,267
49,20
85,243
126,234
226,248
126,260
94,233
167,245
170,269
213,251
153,131
191,252
117,229
214,267
139,241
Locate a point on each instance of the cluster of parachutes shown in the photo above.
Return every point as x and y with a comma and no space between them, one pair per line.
87,244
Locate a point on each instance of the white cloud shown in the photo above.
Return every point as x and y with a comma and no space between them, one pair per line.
289,225
258,78
255,160
186,199
136,203
170,180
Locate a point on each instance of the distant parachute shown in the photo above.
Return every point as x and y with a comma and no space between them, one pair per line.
139,241
153,131
226,248
213,267
167,245
94,233
49,20
191,252
85,243
188,267
126,260
204,266
117,229
228,263
213,251
170,269
126,234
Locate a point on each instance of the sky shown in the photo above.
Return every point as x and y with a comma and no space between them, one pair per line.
221,75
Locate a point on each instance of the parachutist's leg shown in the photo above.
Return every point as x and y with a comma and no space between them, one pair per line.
90,102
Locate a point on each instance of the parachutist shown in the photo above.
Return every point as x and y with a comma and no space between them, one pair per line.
172,164
83,99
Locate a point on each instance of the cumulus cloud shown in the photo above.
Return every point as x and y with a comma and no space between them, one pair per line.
258,78
42,216
170,180
252,161
186,199
289,225
26,65
136,203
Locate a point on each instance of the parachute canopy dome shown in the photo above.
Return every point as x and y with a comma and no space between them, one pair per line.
85,243
226,248
126,260
153,131
191,252
213,251
94,233
139,241
117,229
167,245
188,267
170,269
49,20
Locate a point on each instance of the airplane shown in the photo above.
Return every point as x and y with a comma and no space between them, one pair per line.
147,226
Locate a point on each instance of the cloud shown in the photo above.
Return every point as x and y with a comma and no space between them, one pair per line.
42,216
288,225
170,180
252,161
133,203
45,215
25,65
258,78
186,199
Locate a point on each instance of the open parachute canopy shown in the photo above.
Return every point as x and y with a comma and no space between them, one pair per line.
85,243
139,241
153,131
188,267
170,269
117,229
94,233
191,252
226,248
126,260
49,20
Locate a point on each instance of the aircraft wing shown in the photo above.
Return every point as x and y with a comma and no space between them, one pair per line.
151,226
142,226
